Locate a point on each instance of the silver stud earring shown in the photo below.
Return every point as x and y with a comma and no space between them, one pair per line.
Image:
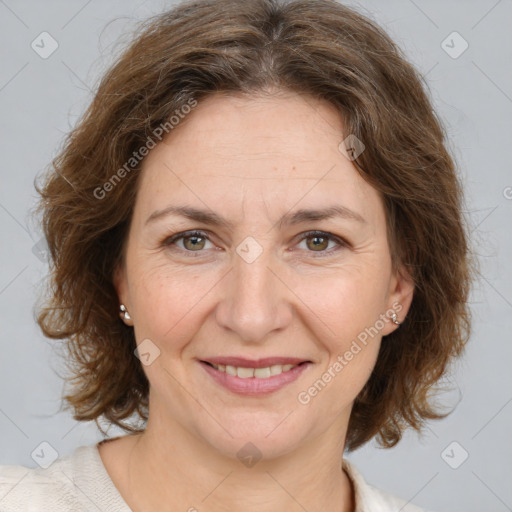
395,319
124,312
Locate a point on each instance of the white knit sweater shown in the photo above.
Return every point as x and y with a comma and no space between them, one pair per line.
80,483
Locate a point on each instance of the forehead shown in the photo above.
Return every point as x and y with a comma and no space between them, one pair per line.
271,127
275,150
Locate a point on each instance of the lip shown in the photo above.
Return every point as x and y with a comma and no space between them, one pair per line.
253,386
254,363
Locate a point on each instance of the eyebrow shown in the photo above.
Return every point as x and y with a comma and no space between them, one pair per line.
290,218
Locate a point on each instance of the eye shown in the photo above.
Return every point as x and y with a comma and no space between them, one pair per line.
191,241
318,241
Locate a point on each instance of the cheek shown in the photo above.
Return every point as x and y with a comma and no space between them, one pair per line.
345,322
333,389
344,312
346,300
167,300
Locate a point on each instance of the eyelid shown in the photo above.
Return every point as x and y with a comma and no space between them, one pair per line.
170,240
342,243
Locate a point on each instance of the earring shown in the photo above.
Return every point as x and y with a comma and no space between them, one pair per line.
124,313
395,319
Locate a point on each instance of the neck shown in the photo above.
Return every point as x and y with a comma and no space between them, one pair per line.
171,466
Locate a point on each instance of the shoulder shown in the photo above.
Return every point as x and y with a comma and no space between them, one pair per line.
75,483
22,488
371,499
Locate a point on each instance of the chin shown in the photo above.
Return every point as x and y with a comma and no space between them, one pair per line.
257,435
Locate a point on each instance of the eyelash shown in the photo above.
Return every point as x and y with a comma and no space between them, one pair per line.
309,234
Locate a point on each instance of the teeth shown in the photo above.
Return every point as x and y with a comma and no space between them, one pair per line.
276,369
259,373
262,373
245,373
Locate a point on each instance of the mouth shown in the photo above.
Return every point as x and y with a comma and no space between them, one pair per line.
254,377
254,370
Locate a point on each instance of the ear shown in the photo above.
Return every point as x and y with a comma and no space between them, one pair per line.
121,286
400,294
119,281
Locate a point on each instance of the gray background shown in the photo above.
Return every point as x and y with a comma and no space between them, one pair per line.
40,100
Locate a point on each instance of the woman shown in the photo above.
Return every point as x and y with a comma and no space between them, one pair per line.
261,258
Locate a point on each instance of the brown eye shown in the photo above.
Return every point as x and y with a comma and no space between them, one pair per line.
318,243
193,242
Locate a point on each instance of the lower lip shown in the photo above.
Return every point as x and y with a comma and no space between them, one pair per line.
254,386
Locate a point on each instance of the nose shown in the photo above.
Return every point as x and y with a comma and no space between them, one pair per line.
256,300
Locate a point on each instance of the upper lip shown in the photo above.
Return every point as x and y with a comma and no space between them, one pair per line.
242,362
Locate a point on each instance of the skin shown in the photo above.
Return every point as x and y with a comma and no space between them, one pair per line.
251,160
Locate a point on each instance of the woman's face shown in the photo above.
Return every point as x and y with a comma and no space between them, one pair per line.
248,174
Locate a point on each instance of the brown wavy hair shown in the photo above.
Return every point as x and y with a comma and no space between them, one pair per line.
318,48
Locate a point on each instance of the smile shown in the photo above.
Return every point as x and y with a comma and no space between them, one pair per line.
254,381
258,373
